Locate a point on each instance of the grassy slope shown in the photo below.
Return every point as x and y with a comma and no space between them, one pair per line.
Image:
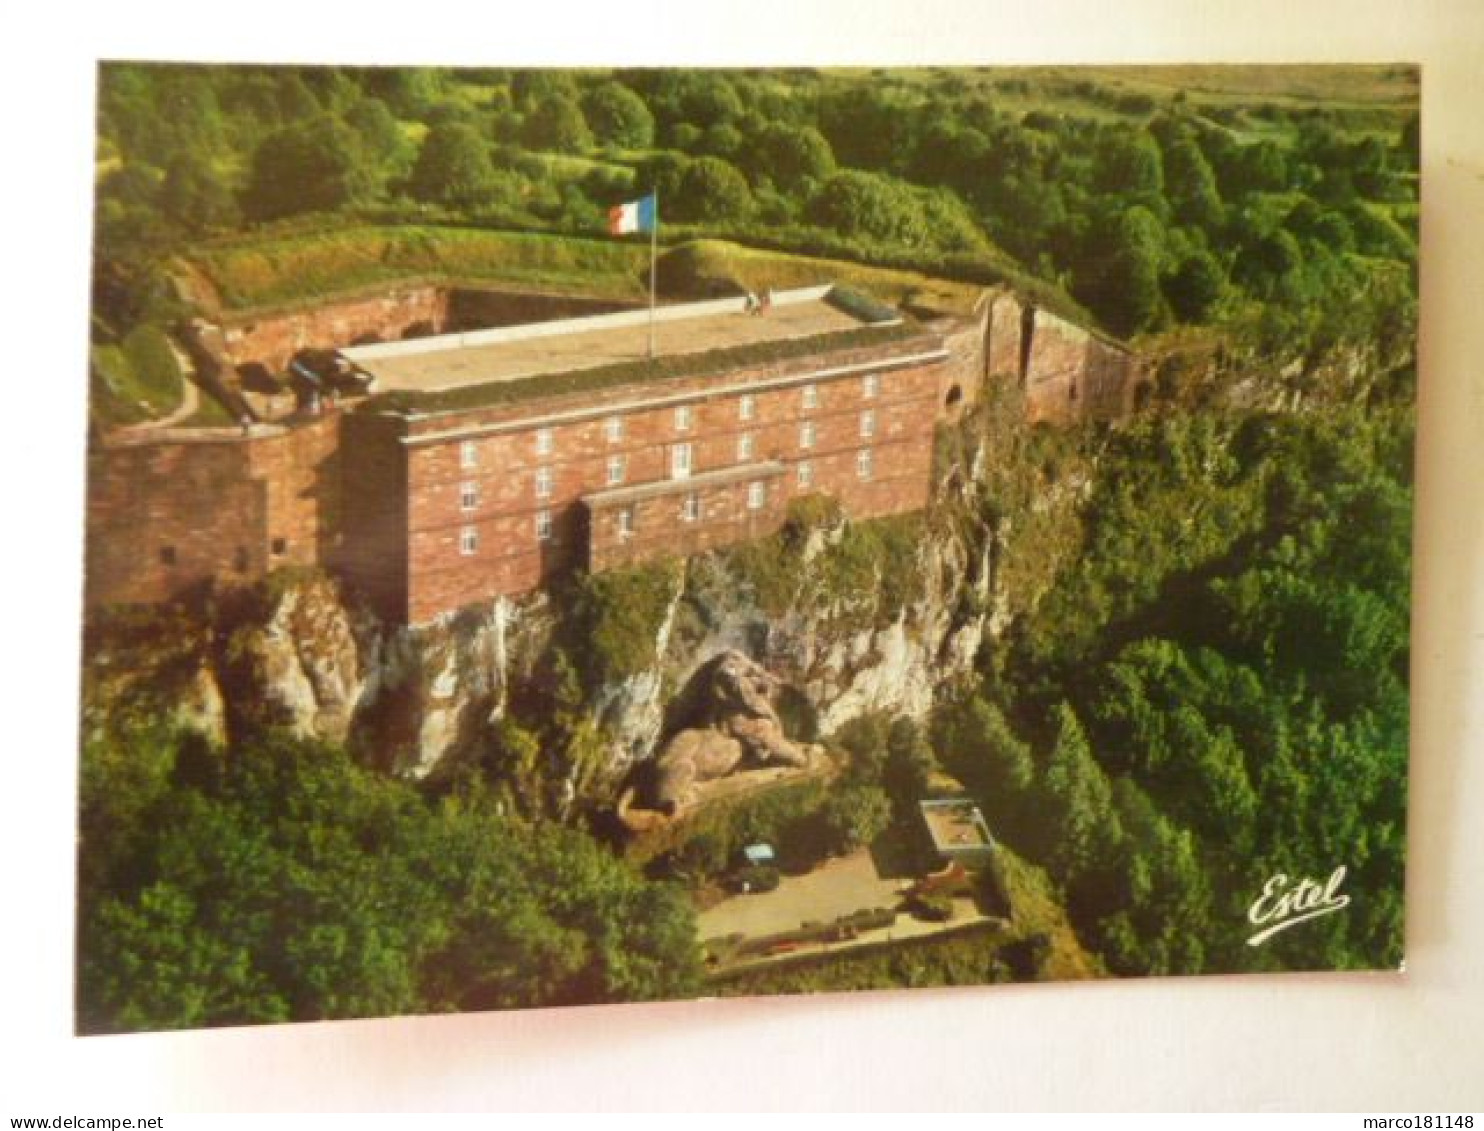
253,274
138,379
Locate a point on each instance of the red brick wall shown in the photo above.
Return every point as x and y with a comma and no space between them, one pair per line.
1073,375
1006,315
961,377
510,557
227,508
373,553
273,339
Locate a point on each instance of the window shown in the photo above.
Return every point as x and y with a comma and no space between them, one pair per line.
545,441
626,522
543,526
744,446
167,555
871,385
543,483
747,407
690,510
615,470
280,546
806,434
680,461
806,474
613,429
757,495
811,397
468,496
468,454
868,424
468,540
682,418
863,463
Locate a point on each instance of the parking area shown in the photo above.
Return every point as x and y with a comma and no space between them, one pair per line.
836,888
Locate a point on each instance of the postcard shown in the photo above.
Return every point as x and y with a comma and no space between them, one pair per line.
572,536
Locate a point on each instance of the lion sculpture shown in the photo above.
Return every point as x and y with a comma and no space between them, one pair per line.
739,725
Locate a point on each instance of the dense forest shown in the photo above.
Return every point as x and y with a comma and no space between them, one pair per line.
1289,219
1210,688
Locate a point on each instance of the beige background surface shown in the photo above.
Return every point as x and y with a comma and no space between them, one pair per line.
1409,1042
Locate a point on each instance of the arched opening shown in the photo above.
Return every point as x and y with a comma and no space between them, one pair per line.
954,398
1143,395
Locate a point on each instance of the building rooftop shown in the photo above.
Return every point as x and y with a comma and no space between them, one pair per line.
955,825
516,353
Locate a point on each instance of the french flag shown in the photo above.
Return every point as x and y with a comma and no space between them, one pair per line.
635,216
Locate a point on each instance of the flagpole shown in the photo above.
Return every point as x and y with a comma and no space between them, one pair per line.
654,243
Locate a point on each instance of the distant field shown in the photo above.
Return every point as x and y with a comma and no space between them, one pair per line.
1367,86
1386,85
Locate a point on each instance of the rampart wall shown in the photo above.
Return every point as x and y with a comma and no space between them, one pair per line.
272,339
429,514
175,510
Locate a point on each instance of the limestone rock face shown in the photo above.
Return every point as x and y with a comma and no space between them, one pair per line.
416,701
302,667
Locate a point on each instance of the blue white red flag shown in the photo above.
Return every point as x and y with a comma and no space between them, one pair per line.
635,216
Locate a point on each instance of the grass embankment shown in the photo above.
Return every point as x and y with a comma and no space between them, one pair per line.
706,260
136,379
259,274
296,269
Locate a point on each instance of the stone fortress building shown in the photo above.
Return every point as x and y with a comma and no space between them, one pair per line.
439,471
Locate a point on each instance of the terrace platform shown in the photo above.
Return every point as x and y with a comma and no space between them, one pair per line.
513,353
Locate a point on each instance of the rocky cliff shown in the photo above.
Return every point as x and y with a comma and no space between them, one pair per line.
849,617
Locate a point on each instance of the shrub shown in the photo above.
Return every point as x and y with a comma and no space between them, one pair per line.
757,878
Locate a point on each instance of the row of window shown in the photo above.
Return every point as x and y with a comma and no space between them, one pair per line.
613,427
690,507
680,461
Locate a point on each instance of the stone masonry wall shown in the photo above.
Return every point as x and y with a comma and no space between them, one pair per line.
171,512
477,503
272,340
1071,374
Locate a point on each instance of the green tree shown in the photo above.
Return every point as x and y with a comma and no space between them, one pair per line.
381,134
618,116
710,190
316,166
287,883
196,196
1081,824
1195,287
791,156
1190,185
556,123
453,168
853,816
1119,278
1127,164
868,205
